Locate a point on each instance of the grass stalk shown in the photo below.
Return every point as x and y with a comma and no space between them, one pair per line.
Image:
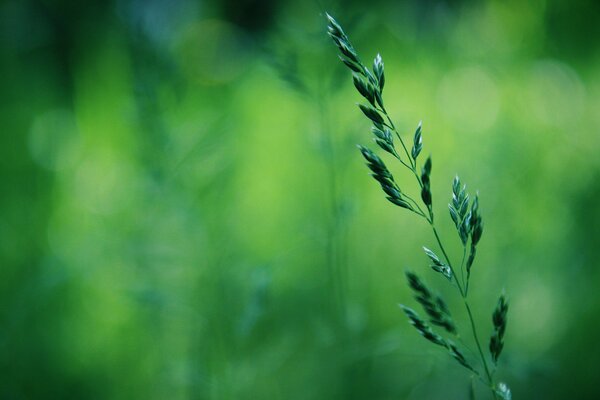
464,212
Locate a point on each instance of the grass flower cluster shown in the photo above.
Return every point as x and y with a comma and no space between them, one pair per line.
438,327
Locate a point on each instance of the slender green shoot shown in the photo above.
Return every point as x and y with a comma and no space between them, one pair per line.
465,214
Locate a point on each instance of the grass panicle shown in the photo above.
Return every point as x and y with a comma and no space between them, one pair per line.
427,332
465,214
503,391
499,320
434,306
459,210
417,143
437,265
384,177
422,327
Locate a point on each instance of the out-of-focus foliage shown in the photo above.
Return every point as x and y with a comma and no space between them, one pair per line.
184,215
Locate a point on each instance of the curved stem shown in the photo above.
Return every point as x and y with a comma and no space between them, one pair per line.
470,314
391,125
462,291
418,208
403,163
485,366
439,241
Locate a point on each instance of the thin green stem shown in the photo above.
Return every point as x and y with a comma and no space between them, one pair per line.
414,203
470,314
485,366
463,294
403,163
462,274
439,241
420,213
393,127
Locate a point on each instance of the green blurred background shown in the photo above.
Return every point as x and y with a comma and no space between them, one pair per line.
184,214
